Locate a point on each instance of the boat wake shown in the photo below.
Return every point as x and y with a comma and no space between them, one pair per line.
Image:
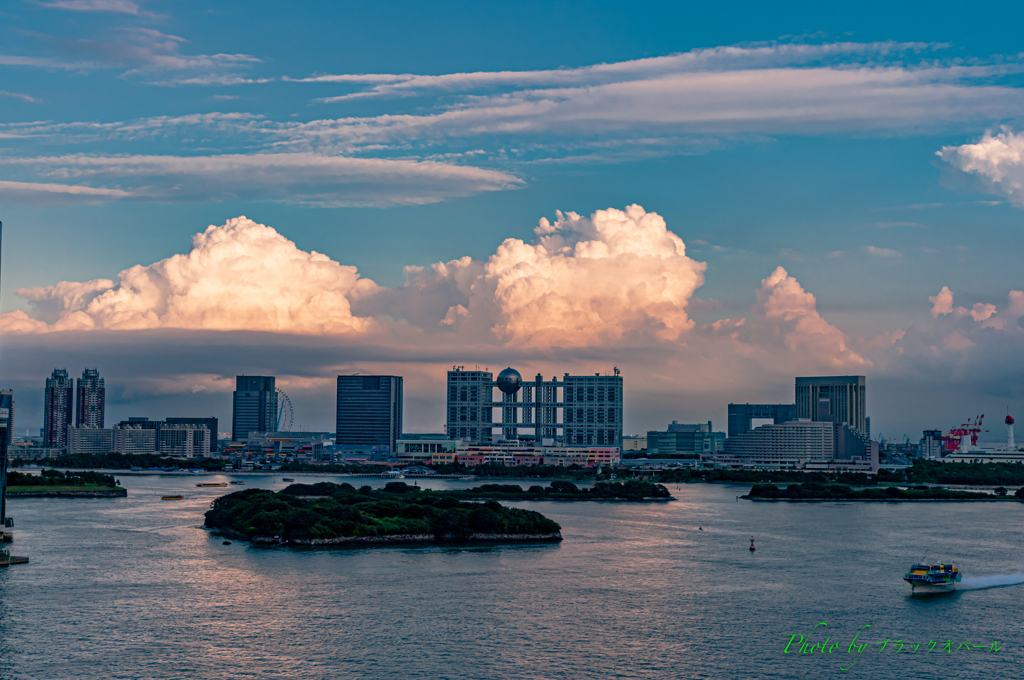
996,581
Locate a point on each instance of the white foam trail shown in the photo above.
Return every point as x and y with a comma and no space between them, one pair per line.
995,581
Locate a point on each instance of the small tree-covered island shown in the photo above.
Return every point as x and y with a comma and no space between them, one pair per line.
341,515
56,484
840,492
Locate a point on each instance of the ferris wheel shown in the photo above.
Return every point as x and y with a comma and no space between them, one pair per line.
285,412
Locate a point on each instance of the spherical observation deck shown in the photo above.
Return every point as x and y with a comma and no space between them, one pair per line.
509,381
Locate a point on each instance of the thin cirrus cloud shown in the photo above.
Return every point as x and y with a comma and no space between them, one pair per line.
773,101
115,6
239,125
147,52
298,178
607,113
722,58
43,62
774,89
642,106
22,97
883,252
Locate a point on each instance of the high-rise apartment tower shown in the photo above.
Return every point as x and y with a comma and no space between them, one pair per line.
92,399
58,401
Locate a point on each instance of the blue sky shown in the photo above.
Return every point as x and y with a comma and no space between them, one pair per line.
407,134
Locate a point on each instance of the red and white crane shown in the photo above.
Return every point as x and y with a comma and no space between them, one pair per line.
955,439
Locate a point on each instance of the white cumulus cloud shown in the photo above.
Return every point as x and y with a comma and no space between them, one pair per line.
997,159
587,280
240,275
615,279
793,312
942,303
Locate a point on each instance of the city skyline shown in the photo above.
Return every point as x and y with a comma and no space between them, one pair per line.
741,416
712,210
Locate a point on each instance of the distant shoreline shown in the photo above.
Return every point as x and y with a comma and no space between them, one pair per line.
42,492
883,500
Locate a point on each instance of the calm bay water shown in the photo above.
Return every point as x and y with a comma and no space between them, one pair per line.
135,588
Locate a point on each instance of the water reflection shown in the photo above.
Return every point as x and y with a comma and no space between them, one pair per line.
133,587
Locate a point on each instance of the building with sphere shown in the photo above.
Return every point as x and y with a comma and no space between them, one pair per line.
582,410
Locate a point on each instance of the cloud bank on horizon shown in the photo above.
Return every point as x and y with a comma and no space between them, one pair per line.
615,284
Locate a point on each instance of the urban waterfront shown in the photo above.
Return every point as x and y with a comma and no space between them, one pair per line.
134,587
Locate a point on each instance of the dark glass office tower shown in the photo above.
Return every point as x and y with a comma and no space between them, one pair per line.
840,398
369,410
92,399
57,405
7,421
742,416
255,406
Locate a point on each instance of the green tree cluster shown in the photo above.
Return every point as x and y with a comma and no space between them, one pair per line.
937,472
123,461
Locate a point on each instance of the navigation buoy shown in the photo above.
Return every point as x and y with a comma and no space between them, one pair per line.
701,528
752,548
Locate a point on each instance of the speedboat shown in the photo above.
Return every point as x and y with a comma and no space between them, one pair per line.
933,578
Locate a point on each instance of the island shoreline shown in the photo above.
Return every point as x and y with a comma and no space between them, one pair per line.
881,500
95,493
394,540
